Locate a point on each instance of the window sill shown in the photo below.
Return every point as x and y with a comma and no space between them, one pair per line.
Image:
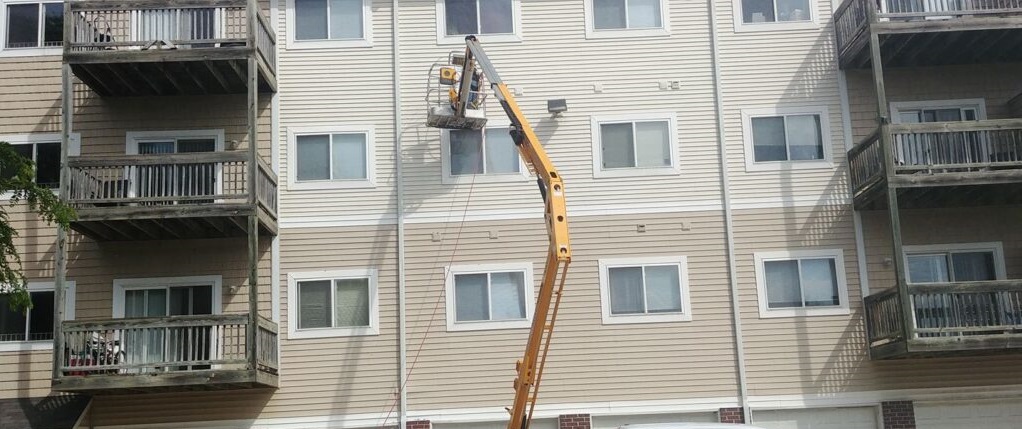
333,333
300,45
484,38
628,319
31,52
484,178
25,346
635,172
626,33
741,27
488,326
804,312
752,167
328,185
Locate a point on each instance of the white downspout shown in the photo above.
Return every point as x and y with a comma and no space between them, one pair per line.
725,184
402,330
275,165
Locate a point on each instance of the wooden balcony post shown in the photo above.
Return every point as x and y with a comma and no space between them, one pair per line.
253,171
60,265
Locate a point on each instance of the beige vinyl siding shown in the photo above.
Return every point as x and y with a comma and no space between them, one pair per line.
30,95
589,361
780,68
325,87
999,84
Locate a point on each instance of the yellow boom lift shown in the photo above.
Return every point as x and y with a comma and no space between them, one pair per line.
461,108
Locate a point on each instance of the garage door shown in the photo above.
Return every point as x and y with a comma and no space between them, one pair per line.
536,424
817,418
969,414
613,422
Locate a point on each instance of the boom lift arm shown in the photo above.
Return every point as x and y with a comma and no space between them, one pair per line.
530,367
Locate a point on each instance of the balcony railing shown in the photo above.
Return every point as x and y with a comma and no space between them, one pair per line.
969,149
167,353
948,317
133,188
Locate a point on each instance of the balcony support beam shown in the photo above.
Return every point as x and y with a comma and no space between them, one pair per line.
60,265
253,199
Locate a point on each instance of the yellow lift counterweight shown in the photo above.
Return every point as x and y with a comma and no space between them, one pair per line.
461,110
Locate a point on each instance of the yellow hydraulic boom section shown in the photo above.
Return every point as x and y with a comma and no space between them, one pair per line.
465,98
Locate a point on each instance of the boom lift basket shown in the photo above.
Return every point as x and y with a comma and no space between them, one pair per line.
441,97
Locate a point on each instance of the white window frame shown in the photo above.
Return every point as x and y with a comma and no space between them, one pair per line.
293,333
482,325
741,26
996,247
686,302
74,149
69,314
292,158
133,138
765,312
751,165
23,52
597,145
451,179
609,33
365,42
979,104
123,285
459,39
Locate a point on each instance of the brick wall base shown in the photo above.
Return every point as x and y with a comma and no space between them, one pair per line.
898,415
731,415
574,421
417,424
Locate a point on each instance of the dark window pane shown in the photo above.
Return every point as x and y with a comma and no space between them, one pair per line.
41,317
313,157
47,164
768,139
782,284
53,24
25,150
12,323
314,304
608,14
758,11
461,17
310,19
471,297
973,266
23,26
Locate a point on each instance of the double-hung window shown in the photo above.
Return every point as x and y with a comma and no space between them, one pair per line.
794,138
624,18
331,158
492,20
497,296
330,23
33,327
45,155
644,290
801,283
333,303
32,25
634,145
773,14
480,155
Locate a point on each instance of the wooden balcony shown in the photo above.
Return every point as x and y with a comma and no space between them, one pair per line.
925,33
948,319
940,164
165,354
171,196
169,47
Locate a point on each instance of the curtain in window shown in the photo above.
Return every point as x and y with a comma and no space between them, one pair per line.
313,157
644,14
346,19
507,299
466,152
928,269
471,298
804,137
626,294
351,302
819,282
314,304
349,156
617,145
663,289
143,346
652,144
501,152
782,284
768,139
973,266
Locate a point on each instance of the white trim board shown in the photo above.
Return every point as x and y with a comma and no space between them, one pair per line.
293,278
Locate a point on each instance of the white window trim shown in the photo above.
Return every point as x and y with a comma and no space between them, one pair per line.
293,333
686,302
292,158
742,27
450,179
123,285
365,42
596,138
133,138
69,314
443,39
484,325
612,33
979,104
22,52
996,247
765,312
751,165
